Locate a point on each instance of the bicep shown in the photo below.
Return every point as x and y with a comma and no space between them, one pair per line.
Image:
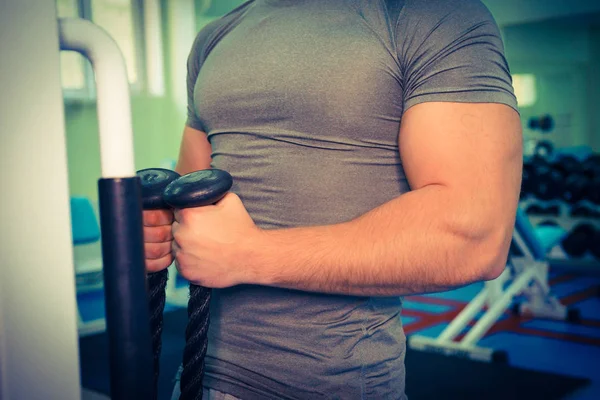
194,151
473,149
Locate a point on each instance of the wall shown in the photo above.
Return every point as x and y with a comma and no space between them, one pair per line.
157,121
593,100
518,12
157,128
564,56
560,55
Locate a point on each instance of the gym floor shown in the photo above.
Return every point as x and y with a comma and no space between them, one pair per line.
543,345
564,348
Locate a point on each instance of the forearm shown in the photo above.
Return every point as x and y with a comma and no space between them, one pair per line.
423,241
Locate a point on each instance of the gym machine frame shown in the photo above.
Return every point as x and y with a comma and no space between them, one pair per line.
127,315
525,275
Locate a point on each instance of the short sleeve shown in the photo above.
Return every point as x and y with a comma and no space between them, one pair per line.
194,62
193,121
206,39
452,51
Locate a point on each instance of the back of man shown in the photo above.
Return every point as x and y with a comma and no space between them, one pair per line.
302,102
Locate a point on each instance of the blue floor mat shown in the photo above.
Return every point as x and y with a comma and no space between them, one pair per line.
590,308
573,286
546,354
561,327
465,293
426,307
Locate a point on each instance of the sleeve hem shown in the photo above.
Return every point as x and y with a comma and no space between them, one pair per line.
195,124
464,97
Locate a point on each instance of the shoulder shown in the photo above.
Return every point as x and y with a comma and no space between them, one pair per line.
209,34
437,26
446,14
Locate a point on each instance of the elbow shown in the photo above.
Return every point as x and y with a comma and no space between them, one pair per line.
490,256
494,267
484,257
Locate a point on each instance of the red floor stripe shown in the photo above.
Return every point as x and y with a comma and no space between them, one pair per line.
580,296
568,337
594,323
561,279
511,324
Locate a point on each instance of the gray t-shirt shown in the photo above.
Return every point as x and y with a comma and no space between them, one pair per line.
302,102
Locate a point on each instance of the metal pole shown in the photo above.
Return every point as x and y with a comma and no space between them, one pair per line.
127,316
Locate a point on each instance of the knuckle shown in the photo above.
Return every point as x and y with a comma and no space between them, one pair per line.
157,251
179,236
155,265
184,215
150,250
164,234
182,266
179,257
150,218
157,217
157,234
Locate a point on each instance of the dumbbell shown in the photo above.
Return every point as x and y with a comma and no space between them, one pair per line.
595,245
543,149
154,181
567,164
544,123
575,188
591,166
544,180
548,222
163,189
592,192
579,240
527,181
584,211
536,209
572,181
591,169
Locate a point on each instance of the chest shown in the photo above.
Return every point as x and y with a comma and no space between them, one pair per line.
301,68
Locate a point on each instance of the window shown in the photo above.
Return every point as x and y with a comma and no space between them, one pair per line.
122,19
525,89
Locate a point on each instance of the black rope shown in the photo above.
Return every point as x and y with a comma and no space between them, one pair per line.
156,196
196,338
157,283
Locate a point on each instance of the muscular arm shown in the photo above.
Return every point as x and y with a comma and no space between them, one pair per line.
463,162
194,151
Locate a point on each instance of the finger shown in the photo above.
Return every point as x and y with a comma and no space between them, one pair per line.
175,248
156,251
178,215
158,234
160,264
158,217
181,236
181,214
175,229
229,199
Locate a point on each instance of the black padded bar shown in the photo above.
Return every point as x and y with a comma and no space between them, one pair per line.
127,316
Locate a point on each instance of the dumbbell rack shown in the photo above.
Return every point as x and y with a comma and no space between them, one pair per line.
558,257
